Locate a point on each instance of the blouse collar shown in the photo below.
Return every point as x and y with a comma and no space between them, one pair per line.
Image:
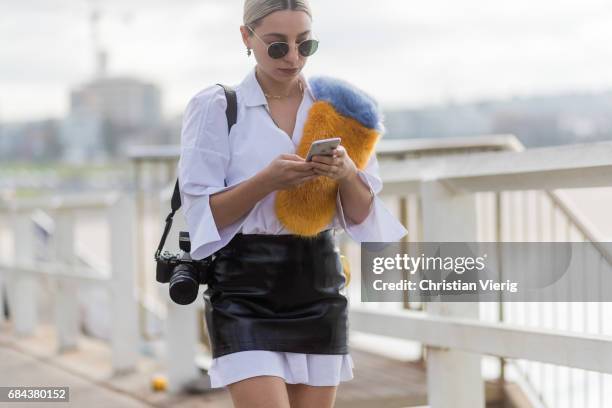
254,95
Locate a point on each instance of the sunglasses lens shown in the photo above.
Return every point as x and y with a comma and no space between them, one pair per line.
278,50
308,47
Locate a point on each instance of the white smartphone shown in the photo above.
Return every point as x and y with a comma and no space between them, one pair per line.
323,147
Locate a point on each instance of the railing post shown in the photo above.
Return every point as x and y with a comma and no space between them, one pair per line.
66,299
454,377
181,336
3,260
2,286
124,332
181,321
22,287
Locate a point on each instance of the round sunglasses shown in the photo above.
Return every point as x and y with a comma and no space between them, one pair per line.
279,49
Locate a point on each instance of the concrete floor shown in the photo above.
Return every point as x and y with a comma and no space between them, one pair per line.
379,381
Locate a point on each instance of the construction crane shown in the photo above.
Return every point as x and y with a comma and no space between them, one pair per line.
100,53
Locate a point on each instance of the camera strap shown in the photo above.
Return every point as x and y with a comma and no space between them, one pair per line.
231,113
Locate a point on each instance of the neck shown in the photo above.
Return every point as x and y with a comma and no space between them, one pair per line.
274,87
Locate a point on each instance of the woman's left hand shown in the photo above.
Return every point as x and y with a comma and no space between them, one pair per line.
338,167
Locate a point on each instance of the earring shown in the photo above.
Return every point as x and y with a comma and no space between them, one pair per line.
248,52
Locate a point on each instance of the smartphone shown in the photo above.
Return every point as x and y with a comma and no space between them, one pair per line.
323,147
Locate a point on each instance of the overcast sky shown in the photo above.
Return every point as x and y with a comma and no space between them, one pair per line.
405,53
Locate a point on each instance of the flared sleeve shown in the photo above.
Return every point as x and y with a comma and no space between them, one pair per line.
202,169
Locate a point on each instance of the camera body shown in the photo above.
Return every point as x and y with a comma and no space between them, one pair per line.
184,274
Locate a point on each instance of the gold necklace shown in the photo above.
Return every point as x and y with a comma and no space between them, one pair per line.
285,96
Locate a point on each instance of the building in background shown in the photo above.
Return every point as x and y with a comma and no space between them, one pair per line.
38,141
128,103
108,114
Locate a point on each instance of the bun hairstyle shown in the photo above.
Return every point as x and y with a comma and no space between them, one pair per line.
256,10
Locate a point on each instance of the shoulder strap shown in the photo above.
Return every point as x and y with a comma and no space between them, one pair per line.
232,106
231,112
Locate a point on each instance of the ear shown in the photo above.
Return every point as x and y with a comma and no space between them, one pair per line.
245,36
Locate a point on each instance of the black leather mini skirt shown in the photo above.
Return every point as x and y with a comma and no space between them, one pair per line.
277,292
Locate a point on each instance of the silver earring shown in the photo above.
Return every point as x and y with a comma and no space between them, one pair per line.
248,52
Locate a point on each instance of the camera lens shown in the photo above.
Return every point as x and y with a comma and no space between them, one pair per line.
184,284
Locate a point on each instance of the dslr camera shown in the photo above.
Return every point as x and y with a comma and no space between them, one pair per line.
184,274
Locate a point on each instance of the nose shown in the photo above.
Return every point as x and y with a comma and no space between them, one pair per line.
293,55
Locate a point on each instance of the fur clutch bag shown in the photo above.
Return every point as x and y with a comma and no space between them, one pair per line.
340,110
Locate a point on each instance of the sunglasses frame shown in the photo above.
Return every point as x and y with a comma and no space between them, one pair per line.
287,44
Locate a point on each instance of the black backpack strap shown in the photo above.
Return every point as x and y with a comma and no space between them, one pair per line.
232,106
231,112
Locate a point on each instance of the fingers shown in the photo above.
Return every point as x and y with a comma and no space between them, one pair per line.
292,157
327,165
329,160
302,167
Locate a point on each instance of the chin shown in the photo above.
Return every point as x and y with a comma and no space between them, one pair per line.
281,77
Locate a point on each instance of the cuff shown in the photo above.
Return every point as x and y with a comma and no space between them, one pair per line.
200,221
199,218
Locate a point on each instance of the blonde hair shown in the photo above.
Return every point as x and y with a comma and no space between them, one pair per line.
256,10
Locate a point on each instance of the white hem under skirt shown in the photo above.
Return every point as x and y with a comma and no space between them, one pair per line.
310,369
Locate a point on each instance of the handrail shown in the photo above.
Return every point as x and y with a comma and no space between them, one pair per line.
427,146
80,201
581,165
54,269
384,147
494,338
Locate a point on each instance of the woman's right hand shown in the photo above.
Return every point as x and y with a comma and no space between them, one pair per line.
288,170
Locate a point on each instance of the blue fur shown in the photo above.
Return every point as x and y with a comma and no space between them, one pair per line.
348,100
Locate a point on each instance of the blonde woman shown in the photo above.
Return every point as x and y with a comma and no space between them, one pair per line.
276,319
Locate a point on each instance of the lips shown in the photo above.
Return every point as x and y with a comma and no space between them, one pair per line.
289,71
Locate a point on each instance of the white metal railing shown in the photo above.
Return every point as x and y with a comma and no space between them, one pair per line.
23,274
550,216
540,215
468,167
447,188
443,190
407,164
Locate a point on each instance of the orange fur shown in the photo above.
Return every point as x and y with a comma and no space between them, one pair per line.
306,209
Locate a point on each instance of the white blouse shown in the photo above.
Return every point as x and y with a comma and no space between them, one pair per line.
212,161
